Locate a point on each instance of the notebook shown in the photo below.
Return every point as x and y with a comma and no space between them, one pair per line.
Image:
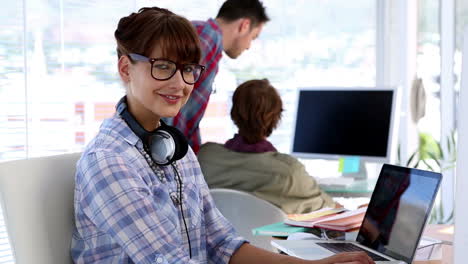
279,229
343,221
394,221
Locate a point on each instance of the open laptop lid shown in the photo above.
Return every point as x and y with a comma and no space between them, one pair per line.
398,210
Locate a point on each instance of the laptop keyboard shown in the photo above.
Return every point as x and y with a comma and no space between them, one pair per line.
348,247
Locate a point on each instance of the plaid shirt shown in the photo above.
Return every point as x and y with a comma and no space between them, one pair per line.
124,212
189,117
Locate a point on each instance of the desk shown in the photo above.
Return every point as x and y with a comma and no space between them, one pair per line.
359,188
442,232
328,169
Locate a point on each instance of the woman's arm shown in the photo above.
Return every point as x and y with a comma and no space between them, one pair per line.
251,254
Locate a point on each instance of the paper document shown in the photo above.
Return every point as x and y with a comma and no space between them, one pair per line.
344,221
312,216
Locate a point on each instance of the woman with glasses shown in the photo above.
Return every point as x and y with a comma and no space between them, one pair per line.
140,196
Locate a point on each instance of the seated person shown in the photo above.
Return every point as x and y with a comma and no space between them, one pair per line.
249,162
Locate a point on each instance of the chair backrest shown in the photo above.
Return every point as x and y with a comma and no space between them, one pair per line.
37,201
246,211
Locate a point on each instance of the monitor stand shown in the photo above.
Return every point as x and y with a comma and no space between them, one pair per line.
360,175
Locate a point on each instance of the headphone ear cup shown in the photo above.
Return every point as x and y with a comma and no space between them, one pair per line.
162,147
180,141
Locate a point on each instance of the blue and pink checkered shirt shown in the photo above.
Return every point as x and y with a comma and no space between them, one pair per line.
124,212
189,117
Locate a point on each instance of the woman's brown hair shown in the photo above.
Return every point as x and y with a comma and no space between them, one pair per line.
141,32
256,109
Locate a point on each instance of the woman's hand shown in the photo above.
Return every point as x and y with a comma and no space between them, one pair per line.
348,258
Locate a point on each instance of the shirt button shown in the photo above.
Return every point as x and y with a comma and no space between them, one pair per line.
159,260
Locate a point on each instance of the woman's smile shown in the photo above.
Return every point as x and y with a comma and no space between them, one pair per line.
171,99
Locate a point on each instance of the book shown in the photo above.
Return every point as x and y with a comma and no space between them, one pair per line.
341,221
315,214
279,229
308,219
347,221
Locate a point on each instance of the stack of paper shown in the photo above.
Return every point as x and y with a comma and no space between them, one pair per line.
309,219
345,221
332,219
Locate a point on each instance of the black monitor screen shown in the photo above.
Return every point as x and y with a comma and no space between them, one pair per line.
343,122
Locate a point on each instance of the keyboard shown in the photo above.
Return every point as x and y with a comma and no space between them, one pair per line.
348,247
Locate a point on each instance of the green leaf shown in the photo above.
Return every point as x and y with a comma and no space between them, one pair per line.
428,165
449,146
433,157
449,167
452,138
441,152
411,158
399,161
417,164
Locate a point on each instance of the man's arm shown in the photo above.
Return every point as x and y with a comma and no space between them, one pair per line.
251,254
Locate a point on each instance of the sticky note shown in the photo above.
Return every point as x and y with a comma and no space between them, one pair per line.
349,165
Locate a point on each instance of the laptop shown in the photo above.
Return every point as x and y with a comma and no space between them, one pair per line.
395,219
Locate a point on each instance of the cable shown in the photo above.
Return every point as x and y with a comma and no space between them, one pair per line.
181,208
440,242
179,187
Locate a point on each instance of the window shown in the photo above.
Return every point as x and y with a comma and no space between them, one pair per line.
461,25
58,77
61,78
428,65
12,108
441,27
12,80
322,42
310,43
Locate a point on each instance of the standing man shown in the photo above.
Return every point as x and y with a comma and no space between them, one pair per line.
238,23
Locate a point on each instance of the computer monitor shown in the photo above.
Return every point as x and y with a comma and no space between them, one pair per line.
337,122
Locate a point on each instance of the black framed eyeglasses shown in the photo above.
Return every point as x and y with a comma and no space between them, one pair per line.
164,69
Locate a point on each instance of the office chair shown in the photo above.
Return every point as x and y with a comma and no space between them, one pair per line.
37,201
246,212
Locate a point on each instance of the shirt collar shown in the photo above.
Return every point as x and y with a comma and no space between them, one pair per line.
214,25
117,125
237,143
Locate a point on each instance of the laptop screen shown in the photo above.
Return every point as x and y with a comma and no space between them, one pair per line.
397,213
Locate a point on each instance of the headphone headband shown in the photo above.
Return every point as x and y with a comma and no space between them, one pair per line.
166,144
